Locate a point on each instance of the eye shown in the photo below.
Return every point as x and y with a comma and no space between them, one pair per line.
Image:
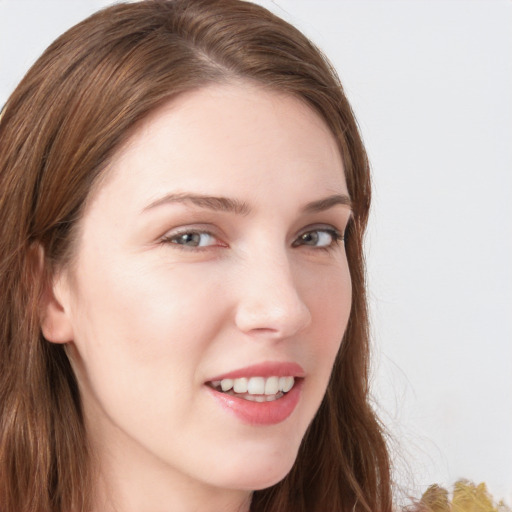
191,239
321,238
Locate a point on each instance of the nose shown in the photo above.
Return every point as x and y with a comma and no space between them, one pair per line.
269,302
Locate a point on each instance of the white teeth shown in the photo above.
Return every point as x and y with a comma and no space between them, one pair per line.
261,398
257,385
272,386
226,384
240,385
286,383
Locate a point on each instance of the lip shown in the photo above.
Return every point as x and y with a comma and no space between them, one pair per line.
266,369
259,413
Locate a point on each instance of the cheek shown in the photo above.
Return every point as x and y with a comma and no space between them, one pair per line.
330,304
145,305
141,340
330,300
143,329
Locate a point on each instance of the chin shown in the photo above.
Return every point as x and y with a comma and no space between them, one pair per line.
265,483
260,472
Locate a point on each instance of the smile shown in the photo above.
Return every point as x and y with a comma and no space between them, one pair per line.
261,394
255,389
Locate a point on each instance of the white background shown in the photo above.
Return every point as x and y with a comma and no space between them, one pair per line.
431,85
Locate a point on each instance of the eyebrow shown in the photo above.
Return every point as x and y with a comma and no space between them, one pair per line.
326,203
226,204
222,204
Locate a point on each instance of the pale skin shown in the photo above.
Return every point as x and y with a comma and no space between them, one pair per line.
167,289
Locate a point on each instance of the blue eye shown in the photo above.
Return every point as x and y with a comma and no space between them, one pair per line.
191,239
322,238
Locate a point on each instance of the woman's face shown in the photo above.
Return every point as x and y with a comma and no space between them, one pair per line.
210,257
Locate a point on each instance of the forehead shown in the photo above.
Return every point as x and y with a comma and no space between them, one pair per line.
226,137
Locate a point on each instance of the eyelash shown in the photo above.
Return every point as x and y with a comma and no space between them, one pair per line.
336,239
170,239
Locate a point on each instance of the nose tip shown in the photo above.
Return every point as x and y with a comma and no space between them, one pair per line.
272,306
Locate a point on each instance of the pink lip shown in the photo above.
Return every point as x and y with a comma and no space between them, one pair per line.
267,369
259,413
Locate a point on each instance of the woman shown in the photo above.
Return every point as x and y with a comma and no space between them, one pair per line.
183,196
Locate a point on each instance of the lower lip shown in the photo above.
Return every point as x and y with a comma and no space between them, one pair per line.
260,413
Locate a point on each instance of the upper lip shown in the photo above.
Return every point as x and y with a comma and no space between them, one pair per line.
266,369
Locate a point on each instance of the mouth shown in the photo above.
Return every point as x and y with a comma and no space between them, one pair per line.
255,389
262,394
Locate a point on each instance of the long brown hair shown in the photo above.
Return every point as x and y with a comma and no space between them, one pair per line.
72,111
